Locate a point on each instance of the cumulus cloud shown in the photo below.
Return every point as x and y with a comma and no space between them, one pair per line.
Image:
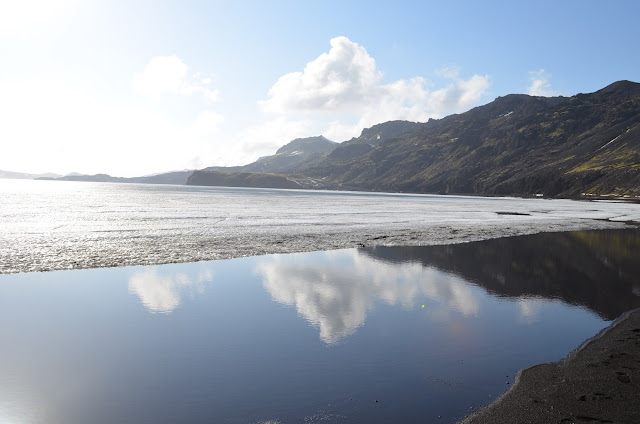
347,83
540,85
169,75
345,75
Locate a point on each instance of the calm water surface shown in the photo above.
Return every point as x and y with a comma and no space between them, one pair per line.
373,335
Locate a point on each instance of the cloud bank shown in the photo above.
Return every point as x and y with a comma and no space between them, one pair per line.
346,86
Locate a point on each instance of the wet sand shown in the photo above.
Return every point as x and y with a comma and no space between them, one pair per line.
597,383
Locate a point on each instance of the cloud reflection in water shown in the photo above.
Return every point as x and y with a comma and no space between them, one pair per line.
336,294
162,292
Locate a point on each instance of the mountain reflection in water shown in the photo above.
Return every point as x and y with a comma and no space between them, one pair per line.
596,269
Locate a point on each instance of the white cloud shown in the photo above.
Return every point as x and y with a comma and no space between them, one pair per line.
345,85
169,75
540,85
345,75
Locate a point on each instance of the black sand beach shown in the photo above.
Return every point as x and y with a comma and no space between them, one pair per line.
597,383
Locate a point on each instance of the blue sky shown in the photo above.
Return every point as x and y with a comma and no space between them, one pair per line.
137,87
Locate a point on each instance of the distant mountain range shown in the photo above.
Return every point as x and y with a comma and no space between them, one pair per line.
23,176
583,146
176,177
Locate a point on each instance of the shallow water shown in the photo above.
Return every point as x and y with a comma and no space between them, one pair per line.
52,225
372,335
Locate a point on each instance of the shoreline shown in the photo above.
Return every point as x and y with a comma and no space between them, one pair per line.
114,225
143,251
598,382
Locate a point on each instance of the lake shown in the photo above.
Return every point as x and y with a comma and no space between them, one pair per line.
369,335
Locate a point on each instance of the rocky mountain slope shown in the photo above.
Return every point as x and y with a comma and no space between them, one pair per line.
515,145
584,145
292,160
293,156
241,179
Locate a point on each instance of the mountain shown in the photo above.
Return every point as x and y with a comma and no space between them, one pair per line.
584,145
295,155
178,177
242,179
23,176
370,138
292,159
515,145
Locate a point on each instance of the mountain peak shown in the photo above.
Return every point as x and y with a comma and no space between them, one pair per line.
621,87
385,130
316,144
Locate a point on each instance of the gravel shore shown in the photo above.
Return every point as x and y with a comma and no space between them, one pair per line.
597,383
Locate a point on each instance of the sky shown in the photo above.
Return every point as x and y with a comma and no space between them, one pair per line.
135,87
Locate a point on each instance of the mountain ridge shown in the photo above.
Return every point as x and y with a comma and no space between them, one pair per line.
582,146
516,145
